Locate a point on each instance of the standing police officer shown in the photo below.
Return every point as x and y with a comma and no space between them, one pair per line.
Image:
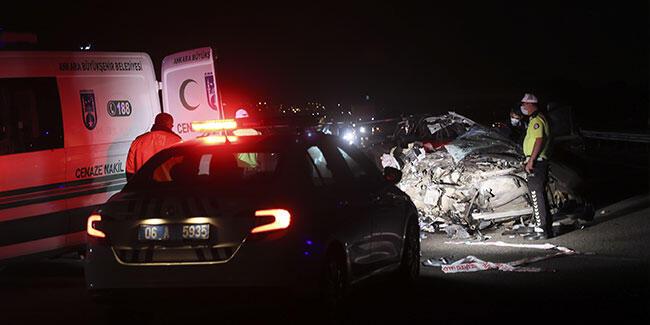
536,145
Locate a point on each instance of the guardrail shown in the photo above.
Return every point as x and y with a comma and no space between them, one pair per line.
616,136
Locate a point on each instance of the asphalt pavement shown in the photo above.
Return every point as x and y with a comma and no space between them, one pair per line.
607,279
607,276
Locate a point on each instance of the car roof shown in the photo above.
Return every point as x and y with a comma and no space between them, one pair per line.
282,140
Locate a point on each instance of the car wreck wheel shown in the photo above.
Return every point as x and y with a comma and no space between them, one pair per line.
410,267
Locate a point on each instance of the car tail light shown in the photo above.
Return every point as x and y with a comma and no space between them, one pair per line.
91,227
281,220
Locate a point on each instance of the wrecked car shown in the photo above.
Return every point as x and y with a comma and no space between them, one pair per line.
476,179
431,131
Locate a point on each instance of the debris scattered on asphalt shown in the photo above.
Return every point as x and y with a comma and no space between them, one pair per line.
545,246
474,264
457,232
436,262
518,230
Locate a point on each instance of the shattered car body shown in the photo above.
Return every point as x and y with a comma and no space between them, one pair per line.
475,180
432,131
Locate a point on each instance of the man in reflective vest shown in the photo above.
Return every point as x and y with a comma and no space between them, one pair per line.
536,147
146,145
245,160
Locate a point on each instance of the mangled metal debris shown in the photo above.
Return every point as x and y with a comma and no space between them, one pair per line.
457,232
460,172
477,176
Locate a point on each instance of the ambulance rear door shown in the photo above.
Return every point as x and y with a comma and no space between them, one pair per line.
189,89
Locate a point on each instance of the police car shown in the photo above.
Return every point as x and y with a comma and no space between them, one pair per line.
290,210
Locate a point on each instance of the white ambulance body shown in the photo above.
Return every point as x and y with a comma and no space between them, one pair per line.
67,120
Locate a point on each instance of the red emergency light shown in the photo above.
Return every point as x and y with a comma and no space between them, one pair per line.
219,139
214,125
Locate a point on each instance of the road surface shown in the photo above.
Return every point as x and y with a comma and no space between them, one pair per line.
606,280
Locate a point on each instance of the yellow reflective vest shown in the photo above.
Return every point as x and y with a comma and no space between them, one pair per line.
537,128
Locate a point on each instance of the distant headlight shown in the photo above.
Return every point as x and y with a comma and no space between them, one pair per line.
349,137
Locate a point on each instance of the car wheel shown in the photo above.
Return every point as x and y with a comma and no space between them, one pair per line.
410,266
335,285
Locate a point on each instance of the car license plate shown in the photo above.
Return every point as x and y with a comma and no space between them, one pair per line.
196,231
153,232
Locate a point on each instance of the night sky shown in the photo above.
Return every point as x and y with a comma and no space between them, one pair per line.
475,58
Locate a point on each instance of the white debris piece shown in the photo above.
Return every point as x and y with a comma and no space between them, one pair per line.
474,264
389,161
432,196
422,155
545,246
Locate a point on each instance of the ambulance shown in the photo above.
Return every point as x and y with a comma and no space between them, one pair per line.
67,120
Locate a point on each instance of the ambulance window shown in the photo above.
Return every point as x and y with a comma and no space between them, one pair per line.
30,115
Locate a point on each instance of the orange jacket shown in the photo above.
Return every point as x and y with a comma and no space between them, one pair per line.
147,145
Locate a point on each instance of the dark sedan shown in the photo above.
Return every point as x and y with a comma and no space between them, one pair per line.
302,211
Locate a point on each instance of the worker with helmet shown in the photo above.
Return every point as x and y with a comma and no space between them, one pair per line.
148,144
536,147
245,160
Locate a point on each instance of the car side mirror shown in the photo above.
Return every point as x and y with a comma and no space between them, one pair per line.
392,175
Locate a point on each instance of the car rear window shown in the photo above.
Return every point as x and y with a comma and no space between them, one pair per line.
229,168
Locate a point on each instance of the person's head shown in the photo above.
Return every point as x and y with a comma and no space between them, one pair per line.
528,104
241,114
164,120
516,116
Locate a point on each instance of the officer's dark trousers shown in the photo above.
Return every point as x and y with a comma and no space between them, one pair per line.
536,186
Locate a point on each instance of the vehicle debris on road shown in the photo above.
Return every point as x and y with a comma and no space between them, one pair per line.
474,264
457,232
546,246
